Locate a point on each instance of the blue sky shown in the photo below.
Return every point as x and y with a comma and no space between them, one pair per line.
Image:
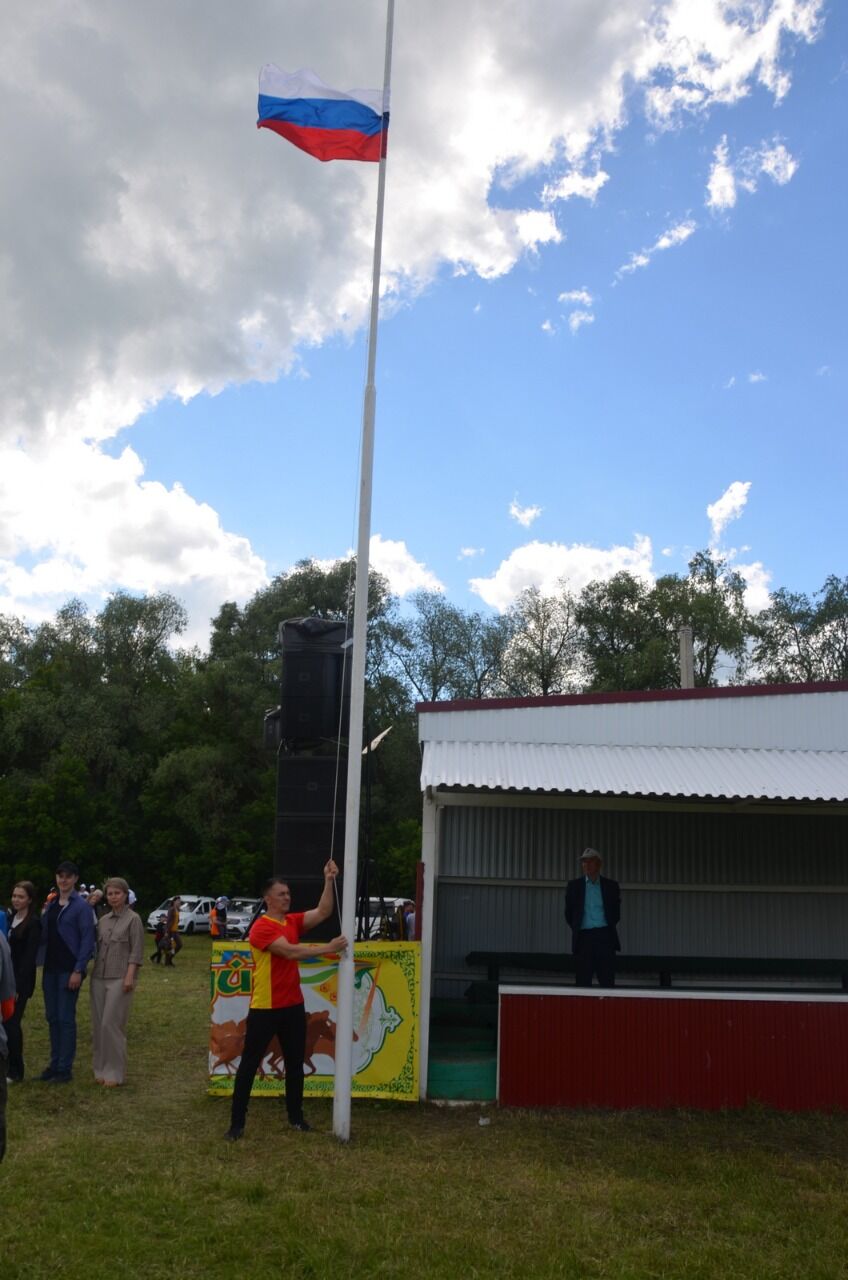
708,370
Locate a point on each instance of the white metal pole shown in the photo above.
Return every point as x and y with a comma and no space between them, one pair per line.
344,1016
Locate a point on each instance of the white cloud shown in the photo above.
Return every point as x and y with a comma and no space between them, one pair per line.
536,227
524,515
575,183
728,507
757,580
577,319
547,327
583,296
87,523
468,553
772,159
721,185
184,248
675,235
731,382
756,376
712,51
395,561
777,164
545,564
635,263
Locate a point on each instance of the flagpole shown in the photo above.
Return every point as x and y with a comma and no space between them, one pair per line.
344,1014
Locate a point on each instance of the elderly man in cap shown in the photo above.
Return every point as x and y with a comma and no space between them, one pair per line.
67,945
592,910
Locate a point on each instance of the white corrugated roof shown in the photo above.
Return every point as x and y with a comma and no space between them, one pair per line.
731,772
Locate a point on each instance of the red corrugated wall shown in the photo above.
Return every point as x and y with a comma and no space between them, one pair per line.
619,1051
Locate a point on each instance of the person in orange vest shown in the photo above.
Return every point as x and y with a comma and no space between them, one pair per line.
218,919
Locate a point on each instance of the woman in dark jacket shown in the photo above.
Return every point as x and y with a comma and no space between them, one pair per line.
24,937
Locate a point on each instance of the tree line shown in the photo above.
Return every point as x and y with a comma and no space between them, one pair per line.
134,756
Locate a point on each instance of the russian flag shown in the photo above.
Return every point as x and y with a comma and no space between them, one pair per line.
327,123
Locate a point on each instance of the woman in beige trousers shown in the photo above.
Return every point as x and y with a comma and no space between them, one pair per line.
120,951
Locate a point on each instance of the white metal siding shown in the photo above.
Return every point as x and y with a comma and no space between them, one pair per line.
802,721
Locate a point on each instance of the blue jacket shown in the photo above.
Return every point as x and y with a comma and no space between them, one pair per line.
76,929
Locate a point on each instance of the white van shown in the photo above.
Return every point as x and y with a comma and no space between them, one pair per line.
194,913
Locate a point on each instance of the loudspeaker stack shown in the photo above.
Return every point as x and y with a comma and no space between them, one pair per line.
313,727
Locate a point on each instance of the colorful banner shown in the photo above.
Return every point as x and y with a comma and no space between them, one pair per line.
385,1021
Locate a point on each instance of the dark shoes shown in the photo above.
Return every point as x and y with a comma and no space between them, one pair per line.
300,1125
47,1074
234,1133
55,1077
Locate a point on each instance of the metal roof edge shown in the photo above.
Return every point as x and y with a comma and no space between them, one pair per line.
635,695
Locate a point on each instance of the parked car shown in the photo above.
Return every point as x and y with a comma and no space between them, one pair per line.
194,913
240,912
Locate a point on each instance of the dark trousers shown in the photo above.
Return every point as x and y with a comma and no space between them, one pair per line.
595,955
60,1008
15,1037
289,1026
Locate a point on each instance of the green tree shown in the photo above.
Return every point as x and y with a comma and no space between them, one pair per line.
427,648
542,653
625,642
711,599
799,638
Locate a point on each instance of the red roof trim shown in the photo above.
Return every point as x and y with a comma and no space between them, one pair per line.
638,695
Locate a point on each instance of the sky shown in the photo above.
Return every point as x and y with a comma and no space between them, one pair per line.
612,327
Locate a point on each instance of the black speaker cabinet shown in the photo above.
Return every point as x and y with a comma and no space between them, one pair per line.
315,687
303,845
311,786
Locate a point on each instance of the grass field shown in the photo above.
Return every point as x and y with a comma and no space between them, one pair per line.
136,1182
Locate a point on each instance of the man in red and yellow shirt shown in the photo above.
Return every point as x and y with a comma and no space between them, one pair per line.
276,1001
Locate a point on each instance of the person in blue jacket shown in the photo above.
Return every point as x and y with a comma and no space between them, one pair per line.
67,945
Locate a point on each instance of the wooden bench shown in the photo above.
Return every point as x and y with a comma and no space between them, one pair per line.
664,966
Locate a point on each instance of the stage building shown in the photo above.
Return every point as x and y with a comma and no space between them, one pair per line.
723,813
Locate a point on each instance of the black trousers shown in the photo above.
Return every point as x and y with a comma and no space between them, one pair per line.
289,1026
595,955
15,1037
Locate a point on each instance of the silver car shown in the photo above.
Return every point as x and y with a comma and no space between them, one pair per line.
240,912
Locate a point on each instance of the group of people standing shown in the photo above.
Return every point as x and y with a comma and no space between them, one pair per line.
63,938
